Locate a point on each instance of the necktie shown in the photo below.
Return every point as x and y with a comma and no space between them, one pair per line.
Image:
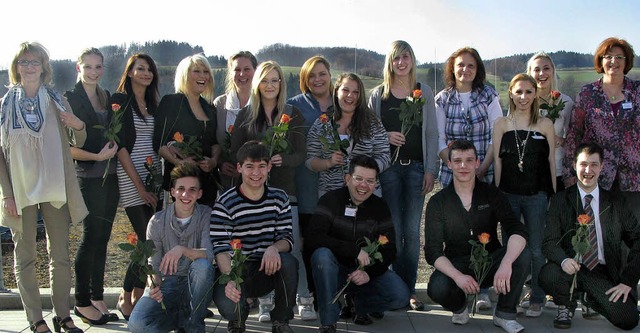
590,258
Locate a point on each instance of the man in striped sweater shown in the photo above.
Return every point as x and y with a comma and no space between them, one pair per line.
260,216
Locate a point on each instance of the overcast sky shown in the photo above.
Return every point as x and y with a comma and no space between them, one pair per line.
434,28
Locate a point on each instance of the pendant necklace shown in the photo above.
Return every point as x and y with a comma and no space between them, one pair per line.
520,145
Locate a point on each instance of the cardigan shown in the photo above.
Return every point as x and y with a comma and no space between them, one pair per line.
77,208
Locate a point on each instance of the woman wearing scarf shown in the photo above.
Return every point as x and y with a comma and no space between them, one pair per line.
37,172
240,69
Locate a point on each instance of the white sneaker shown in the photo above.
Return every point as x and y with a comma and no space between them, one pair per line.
461,318
509,326
305,308
265,306
483,303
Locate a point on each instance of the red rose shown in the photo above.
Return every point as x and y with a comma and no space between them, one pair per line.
484,238
584,219
230,129
323,118
236,244
132,238
149,160
417,94
115,107
178,137
555,94
285,119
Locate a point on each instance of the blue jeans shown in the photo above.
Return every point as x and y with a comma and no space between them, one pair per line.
186,299
256,283
534,210
382,293
402,190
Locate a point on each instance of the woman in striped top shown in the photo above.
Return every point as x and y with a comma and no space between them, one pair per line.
137,93
356,123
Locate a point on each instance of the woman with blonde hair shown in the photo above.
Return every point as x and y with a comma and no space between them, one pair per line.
37,173
266,108
524,150
189,112
240,69
99,184
411,176
541,67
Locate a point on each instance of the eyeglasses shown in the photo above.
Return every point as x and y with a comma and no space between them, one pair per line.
273,82
610,57
368,181
25,63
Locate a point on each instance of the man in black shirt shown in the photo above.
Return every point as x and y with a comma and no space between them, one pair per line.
459,213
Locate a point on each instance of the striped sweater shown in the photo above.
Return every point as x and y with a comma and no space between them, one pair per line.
258,224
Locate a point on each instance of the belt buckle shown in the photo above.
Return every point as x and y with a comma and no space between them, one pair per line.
405,162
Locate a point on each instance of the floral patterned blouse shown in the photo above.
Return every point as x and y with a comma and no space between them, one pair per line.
593,120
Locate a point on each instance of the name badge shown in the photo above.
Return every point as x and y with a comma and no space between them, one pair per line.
350,210
32,118
627,105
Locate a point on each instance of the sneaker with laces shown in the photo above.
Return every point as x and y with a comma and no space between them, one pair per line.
328,328
305,308
534,310
509,326
483,303
461,318
281,327
563,319
264,308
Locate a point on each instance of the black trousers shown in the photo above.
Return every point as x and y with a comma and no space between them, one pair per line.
102,201
595,283
444,291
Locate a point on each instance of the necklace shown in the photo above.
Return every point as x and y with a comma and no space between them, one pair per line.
29,104
520,145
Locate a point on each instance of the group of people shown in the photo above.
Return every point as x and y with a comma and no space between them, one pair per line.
337,200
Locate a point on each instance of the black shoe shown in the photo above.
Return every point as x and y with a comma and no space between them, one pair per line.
349,309
103,319
376,315
362,320
34,327
209,314
563,319
280,327
59,324
328,329
235,326
119,308
111,316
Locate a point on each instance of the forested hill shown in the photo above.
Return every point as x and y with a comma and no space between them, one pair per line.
168,54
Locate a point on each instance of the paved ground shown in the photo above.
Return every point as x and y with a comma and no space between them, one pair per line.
434,319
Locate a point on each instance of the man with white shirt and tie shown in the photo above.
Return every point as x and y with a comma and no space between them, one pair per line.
608,280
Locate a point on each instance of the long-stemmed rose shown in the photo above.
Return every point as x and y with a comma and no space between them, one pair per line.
237,268
371,248
111,132
276,137
330,128
141,251
410,115
189,148
480,262
552,108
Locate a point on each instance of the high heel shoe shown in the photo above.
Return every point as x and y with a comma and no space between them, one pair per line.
34,327
103,319
59,324
119,308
